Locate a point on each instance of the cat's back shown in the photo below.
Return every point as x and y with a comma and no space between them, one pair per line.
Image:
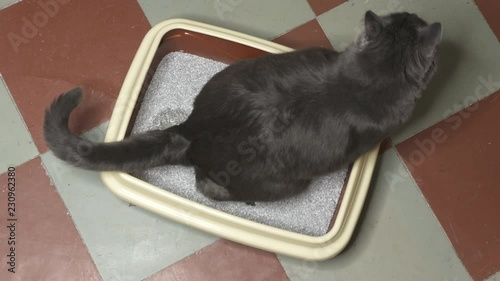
255,90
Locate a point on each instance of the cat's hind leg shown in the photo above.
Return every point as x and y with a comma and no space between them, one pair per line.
269,190
210,189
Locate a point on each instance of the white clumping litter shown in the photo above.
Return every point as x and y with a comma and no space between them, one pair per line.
168,101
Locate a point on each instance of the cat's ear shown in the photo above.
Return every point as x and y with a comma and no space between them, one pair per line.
373,24
431,36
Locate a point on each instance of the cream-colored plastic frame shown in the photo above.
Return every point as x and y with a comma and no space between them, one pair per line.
210,220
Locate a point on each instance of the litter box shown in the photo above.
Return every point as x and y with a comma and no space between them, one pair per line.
224,46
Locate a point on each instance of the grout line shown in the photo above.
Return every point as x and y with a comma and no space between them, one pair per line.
494,277
310,7
20,164
341,4
10,4
292,29
432,211
326,34
18,111
144,14
53,183
2,80
193,253
448,116
314,18
281,264
486,20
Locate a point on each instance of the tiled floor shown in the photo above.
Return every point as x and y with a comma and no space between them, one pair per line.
434,203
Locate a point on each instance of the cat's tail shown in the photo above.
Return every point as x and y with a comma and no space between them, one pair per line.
137,152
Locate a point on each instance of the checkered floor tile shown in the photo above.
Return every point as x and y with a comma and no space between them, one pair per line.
432,211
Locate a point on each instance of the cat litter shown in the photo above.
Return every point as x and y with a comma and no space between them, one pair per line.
168,101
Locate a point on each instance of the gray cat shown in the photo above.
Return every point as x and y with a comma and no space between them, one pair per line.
263,128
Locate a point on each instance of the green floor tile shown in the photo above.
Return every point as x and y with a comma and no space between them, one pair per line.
16,144
470,53
494,277
398,239
126,243
6,3
265,19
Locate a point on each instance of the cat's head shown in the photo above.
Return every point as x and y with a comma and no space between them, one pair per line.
404,42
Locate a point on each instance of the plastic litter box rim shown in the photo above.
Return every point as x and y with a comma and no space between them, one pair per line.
176,208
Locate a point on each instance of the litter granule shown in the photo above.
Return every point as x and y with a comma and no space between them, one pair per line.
169,101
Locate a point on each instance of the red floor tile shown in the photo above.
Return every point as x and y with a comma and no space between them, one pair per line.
321,6
53,47
491,10
225,261
307,35
47,244
456,164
